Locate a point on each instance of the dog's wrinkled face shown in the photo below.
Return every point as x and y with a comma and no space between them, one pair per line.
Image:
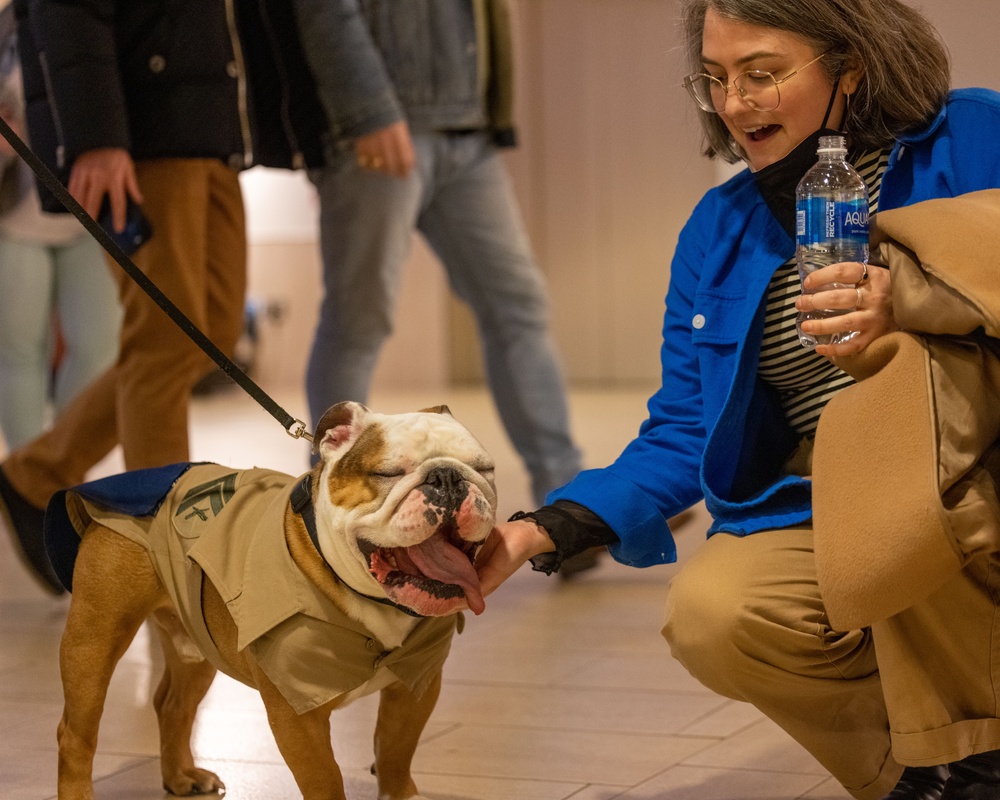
402,505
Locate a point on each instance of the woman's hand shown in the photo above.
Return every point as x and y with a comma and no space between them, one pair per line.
506,549
867,301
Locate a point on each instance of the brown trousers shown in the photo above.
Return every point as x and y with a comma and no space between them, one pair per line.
745,617
197,257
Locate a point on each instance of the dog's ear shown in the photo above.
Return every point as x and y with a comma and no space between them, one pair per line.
339,425
437,410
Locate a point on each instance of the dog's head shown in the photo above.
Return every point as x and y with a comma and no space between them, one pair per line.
403,502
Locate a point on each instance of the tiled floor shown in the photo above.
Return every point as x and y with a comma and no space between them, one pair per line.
559,690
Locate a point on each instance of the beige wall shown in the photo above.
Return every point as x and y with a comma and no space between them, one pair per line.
607,171
970,29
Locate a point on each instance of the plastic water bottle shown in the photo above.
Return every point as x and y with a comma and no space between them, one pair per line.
831,226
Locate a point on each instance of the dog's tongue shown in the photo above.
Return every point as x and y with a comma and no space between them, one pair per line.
440,560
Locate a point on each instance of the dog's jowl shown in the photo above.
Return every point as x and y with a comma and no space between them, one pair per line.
315,590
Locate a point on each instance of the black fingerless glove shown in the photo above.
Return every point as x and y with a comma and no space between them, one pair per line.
571,527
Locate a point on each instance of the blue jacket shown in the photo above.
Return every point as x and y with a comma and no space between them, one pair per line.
438,64
715,431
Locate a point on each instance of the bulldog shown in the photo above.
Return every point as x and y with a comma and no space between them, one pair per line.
314,590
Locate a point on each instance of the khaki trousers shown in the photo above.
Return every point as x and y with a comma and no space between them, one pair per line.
745,617
197,257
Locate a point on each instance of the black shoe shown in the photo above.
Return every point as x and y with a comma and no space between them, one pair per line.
920,783
974,778
24,523
581,562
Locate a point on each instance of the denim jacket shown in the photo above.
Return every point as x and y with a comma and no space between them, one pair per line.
438,64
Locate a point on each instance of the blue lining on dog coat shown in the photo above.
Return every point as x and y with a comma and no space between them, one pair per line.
138,493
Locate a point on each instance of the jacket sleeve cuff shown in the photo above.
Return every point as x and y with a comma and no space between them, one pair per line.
645,538
368,120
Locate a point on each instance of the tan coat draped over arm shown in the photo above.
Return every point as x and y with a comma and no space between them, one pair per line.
907,461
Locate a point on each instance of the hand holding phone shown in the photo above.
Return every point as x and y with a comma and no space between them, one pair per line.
137,228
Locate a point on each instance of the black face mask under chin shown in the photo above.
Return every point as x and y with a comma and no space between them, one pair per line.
777,181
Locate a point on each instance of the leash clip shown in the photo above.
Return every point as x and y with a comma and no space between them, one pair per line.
297,430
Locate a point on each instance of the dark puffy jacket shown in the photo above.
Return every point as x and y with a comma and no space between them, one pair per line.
219,79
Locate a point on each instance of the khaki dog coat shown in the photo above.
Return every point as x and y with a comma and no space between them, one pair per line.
202,521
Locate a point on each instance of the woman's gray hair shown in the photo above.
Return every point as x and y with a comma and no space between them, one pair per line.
906,67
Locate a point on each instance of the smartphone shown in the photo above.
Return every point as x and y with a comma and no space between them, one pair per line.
137,228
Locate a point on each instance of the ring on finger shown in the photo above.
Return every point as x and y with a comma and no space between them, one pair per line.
858,290
864,274
376,162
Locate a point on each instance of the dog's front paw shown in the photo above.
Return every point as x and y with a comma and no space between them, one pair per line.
193,781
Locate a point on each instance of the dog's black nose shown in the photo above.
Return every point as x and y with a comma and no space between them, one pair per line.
444,487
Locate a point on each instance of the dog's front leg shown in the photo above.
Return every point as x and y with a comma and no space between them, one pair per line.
402,715
304,742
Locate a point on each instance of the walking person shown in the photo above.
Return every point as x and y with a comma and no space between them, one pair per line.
59,312
160,105
419,99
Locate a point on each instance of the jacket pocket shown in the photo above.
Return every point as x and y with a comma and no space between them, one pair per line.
718,318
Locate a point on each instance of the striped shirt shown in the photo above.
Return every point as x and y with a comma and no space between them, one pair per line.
804,380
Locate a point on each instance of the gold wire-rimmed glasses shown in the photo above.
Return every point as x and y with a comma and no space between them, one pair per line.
756,87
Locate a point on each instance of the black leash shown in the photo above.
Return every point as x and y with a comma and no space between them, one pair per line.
293,427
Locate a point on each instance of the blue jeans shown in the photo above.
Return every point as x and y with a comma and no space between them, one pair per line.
72,282
460,199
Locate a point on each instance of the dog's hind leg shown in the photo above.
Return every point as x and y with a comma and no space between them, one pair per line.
114,589
186,679
402,715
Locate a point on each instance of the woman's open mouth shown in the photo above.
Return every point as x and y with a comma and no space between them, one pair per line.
761,133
